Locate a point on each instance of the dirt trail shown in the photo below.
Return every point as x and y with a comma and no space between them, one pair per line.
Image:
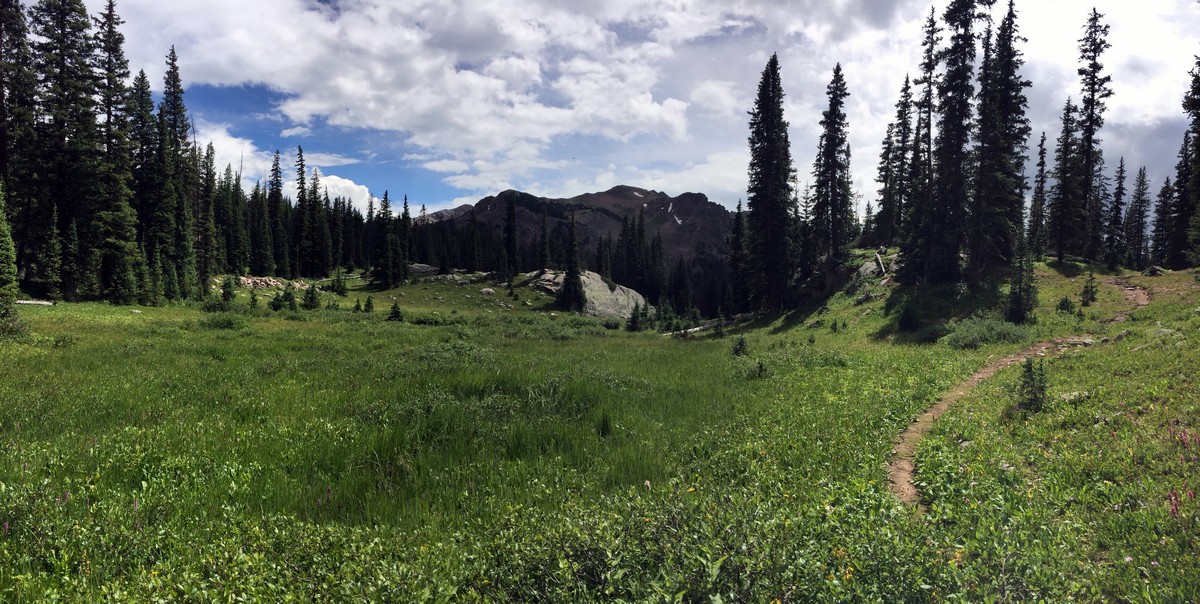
900,470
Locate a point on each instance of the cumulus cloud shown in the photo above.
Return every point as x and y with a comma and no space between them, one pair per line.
490,94
255,164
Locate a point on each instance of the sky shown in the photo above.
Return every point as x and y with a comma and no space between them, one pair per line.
449,101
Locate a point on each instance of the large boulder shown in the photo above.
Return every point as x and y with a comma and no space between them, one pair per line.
603,299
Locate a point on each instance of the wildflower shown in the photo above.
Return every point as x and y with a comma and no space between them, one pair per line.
1129,558
692,490
1154,563
5,527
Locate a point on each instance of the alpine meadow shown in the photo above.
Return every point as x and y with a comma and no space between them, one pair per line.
604,334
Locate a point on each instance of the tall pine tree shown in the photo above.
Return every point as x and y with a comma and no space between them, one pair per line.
1035,239
1136,221
769,195
1067,213
951,169
1114,231
998,202
1096,88
833,213
113,233
918,222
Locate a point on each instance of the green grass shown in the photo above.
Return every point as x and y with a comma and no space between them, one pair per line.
489,449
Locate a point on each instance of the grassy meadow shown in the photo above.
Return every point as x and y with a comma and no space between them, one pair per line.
489,449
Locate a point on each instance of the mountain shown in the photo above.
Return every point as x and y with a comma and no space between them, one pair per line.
691,226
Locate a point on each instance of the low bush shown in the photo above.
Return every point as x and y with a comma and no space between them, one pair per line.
974,333
224,320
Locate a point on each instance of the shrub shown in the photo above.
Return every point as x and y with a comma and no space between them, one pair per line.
1088,295
740,347
1031,391
227,291
634,323
11,324
224,321
973,333
1065,305
312,300
215,305
338,285
370,305
394,314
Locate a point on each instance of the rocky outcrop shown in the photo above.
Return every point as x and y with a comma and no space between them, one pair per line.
604,299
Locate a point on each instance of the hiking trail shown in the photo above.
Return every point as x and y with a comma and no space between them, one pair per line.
900,470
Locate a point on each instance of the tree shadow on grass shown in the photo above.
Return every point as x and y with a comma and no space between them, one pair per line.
922,314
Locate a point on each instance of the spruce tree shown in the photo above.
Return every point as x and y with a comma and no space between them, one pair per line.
738,288
955,92
395,314
10,321
144,153
9,289
770,194
17,86
1096,88
206,241
1036,238
1162,223
1114,239
277,207
19,160
1191,107
113,232
1178,242
1066,218
404,255
571,296
67,134
1022,291
998,203
894,170
1136,221
179,188
918,222
262,248
322,245
383,273
832,209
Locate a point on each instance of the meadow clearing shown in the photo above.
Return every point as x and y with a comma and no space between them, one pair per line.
484,449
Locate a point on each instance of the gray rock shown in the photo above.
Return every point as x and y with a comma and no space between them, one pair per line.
604,299
487,291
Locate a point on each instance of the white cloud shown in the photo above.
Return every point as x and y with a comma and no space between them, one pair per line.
298,131
532,94
328,160
255,164
452,166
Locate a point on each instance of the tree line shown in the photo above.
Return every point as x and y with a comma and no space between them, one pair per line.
110,197
951,174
